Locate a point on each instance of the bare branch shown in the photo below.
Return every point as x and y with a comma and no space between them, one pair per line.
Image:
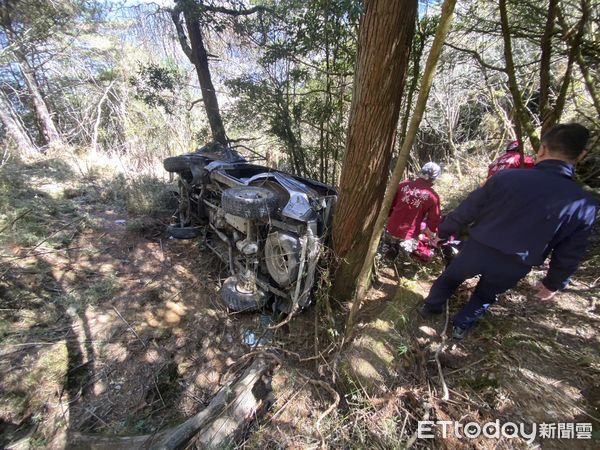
573,52
546,44
194,103
233,12
523,116
477,57
185,46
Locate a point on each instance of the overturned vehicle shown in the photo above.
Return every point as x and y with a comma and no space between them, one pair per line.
267,226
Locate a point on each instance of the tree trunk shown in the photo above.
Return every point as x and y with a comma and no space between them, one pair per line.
590,83
386,34
521,113
40,108
228,414
14,128
199,59
96,129
362,280
219,425
588,78
575,43
546,46
415,73
417,53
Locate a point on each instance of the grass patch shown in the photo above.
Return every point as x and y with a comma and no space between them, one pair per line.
161,333
373,358
32,206
401,350
145,226
28,391
480,383
147,196
5,328
526,342
39,198
38,442
13,400
21,230
50,367
453,189
101,290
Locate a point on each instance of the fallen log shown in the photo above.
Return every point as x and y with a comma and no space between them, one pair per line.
218,425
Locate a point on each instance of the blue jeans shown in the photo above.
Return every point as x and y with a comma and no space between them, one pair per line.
499,272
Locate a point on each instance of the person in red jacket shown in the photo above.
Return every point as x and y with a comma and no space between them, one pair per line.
510,160
416,203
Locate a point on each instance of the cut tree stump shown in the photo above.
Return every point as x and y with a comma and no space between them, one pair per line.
218,425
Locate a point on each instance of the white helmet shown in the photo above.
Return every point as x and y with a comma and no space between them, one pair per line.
430,171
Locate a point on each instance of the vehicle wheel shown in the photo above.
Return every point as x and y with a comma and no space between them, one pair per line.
190,167
282,256
184,232
177,163
236,299
250,202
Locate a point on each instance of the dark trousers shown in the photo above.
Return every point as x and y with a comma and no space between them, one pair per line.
499,272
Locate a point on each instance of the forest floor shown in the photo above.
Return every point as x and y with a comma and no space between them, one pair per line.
108,327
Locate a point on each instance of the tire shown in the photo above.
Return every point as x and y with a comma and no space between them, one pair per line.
282,257
235,300
177,164
182,163
249,202
183,232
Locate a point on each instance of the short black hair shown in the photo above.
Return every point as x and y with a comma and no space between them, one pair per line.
568,139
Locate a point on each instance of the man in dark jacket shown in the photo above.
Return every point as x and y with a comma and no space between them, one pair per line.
518,218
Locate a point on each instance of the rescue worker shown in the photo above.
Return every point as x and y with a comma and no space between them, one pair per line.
519,217
510,160
415,203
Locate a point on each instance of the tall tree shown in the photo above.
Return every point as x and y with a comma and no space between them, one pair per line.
524,121
26,25
587,20
362,280
386,33
195,13
196,52
534,61
13,126
299,91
